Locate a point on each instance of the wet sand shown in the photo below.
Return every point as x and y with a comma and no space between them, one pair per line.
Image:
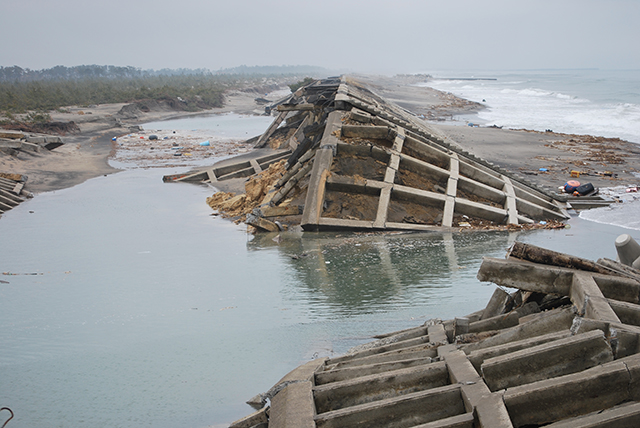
86,155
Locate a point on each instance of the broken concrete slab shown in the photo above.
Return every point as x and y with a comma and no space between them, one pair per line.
363,148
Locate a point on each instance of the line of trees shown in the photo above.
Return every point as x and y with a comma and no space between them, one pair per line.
23,90
18,97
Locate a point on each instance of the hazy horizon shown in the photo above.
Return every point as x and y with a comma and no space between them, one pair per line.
406,36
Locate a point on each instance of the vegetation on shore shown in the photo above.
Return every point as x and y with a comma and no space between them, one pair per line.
24,90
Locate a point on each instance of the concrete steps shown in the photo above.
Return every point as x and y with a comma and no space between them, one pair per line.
575,363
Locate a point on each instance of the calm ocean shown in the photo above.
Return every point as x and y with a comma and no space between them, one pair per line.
124,303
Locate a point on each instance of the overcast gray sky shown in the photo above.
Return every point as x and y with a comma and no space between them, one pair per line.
399,36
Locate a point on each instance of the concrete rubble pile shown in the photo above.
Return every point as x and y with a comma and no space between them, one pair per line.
13,142
12,191
562,350
355,161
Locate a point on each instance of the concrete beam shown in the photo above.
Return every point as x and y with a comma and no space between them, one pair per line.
281,210
539,212
628,313
556,358
270,130
619,288
379,386
552,400
510,202
497,304
476,209
256,418
256,166
437,334
421,340
490,411
407,410
479,356
473,172
548,322
336,375
482,190
383,208
451,192
414,352
315,191
398,143
374,132
464,420
498,322
295,107
623,416
587,297
293,407
526,276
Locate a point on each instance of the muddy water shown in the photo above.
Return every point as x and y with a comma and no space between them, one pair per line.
129,305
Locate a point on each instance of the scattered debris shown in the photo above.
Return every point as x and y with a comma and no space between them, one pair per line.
12,191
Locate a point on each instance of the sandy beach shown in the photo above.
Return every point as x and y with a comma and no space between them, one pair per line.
86,154
545,158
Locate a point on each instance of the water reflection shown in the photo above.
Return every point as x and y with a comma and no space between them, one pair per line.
351,274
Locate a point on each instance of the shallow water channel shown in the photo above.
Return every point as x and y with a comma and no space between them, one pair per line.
126,304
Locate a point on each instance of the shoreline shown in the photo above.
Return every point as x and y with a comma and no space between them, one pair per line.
546,158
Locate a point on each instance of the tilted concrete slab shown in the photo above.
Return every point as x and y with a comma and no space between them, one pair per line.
424,183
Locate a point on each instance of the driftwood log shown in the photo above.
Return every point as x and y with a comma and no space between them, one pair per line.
540,255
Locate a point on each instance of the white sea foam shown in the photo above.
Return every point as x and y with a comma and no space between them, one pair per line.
601,103
625,214
534,104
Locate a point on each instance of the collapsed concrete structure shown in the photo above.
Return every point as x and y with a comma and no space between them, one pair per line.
356,161
563,350
12,191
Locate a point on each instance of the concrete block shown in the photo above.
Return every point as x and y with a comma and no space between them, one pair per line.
367,389
437,334
587,297
374,132
618,288
492,413
460,326
281,210
381,349
261,223
526,276
547,360
498,322
632,364
623,416
489,408
628,313
464,420
407,410
252,420
293,407
497,304
420,351
552,400
528,309
628,249
336,375
478,357
547,322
